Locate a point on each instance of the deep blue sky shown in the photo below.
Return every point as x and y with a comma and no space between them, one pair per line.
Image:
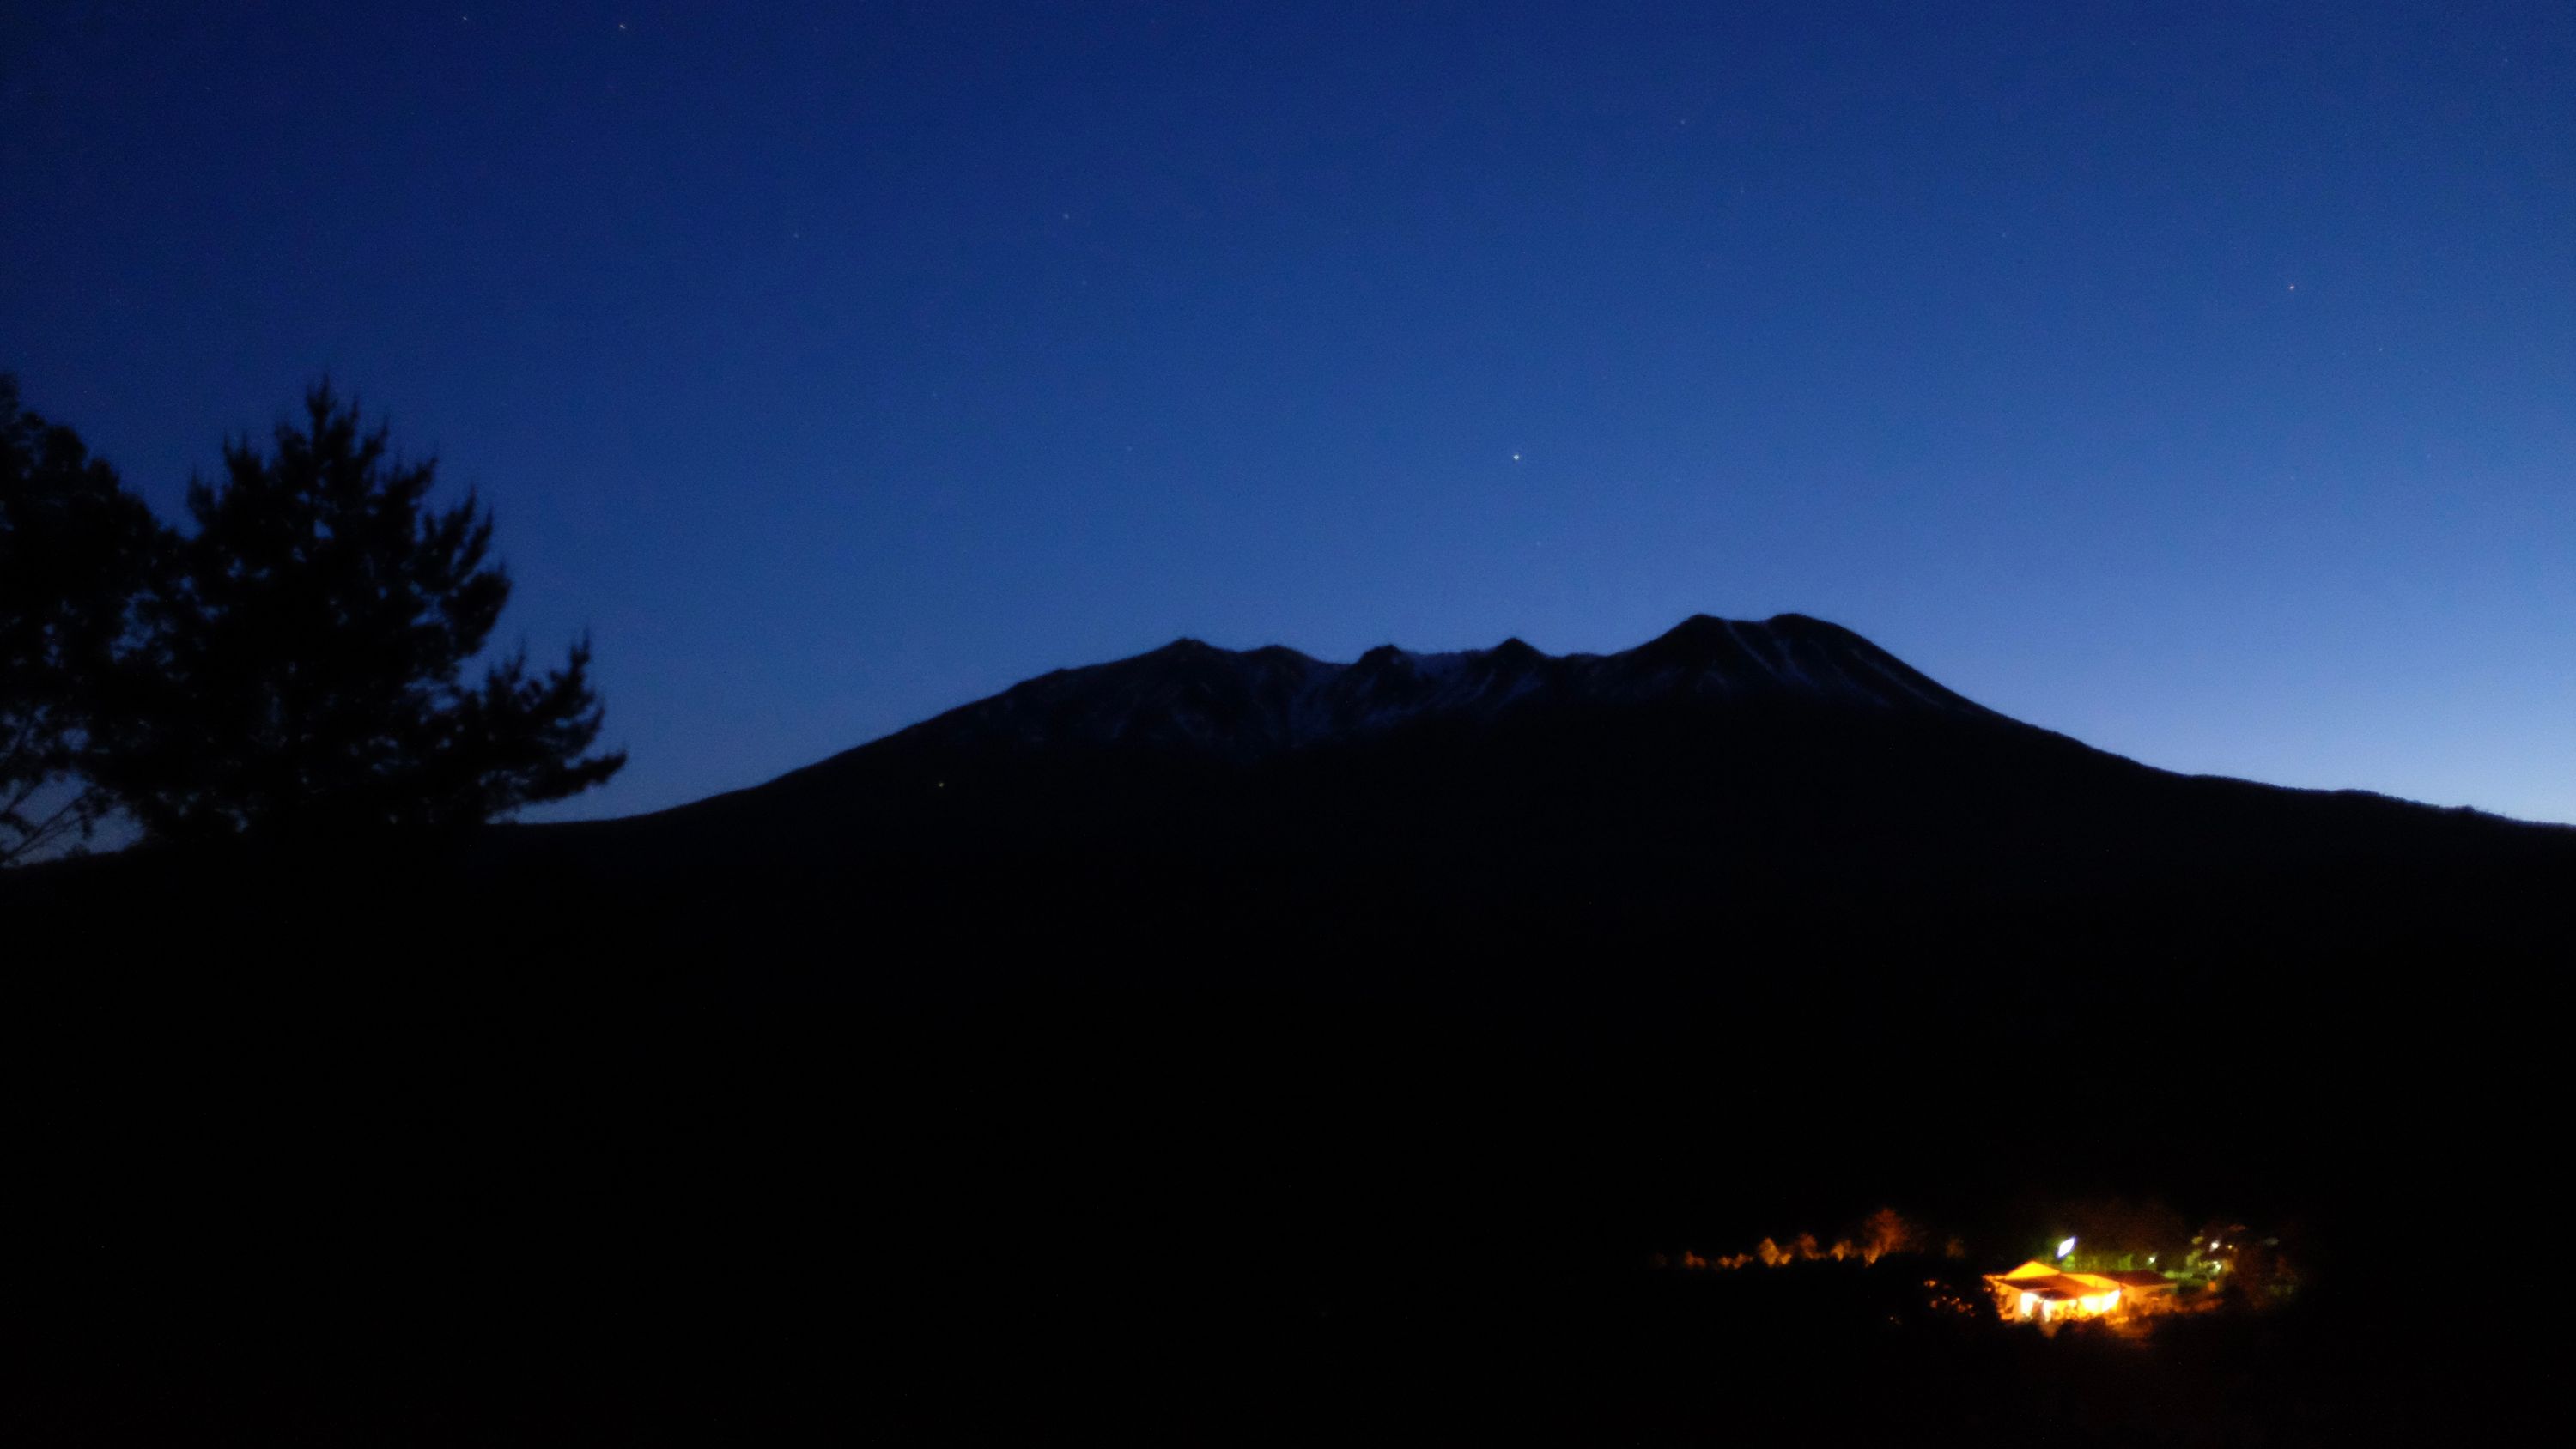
2196,380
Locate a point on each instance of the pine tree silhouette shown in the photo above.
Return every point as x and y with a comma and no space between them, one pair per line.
303,674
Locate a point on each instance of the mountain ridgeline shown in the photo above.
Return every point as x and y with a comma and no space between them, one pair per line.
1251,705
1686,818
1756,813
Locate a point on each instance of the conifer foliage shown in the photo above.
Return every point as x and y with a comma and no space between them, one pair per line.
75,549
305,652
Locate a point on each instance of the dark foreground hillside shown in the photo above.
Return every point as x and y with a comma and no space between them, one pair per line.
962,1087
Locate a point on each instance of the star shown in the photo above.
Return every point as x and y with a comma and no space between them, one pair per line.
1516,457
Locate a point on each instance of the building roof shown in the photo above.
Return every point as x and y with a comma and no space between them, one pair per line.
2053,1286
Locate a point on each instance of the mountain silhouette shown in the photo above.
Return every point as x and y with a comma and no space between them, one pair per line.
1761,814
1778,785
1153,1029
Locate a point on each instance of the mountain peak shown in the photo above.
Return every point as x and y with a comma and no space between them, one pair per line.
1699,635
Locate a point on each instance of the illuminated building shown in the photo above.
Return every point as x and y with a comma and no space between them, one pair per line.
2038,1292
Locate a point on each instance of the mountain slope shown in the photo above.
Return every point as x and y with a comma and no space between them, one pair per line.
1787,778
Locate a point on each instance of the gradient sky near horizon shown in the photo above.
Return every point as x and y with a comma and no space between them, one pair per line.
2197,380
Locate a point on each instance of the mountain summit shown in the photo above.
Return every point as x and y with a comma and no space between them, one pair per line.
1255,703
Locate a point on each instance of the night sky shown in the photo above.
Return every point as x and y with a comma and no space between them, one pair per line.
2198,380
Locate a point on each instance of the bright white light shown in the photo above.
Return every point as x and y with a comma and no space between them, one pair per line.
2066,1247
